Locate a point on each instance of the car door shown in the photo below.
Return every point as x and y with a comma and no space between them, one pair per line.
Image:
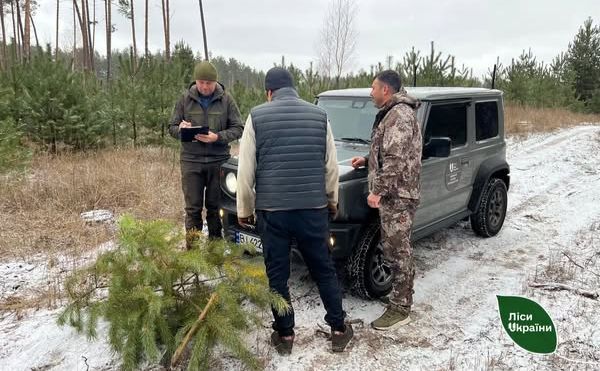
446,181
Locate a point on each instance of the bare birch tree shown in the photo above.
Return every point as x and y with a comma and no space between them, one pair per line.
337,42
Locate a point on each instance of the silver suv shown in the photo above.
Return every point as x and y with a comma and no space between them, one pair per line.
464,176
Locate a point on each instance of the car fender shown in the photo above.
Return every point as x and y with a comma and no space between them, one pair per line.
497,167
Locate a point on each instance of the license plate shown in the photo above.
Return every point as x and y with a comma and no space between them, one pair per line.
241,237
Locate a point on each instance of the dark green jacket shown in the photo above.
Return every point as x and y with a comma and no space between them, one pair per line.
222,116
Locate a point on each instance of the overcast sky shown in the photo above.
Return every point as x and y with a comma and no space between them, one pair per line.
258,33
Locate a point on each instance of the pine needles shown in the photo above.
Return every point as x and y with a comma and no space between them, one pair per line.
162,303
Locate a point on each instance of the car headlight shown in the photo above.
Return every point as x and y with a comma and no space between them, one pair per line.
231,183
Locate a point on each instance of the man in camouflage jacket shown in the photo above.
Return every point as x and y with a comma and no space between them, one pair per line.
394,187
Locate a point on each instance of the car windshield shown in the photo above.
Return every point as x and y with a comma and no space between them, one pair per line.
351,118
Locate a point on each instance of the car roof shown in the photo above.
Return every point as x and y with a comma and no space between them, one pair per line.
422,93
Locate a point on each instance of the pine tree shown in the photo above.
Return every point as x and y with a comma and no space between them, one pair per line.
584,60
161,301
54,105
12,153
183,55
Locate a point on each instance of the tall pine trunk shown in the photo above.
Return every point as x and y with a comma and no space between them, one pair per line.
4,60
35,34
108,17
89,34
133,32
74,36
94,30
134,110
20,31
84,25
83,29
57,24
146,51
27,34
166,28
15,35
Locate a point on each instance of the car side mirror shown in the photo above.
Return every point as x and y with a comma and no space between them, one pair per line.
437,147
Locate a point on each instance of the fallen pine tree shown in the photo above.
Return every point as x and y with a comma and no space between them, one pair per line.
166,304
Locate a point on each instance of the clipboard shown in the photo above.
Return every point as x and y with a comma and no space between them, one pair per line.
187,134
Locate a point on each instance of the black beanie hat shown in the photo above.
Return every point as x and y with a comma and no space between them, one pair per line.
278,78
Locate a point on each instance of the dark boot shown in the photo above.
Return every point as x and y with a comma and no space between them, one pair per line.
339,341
281,345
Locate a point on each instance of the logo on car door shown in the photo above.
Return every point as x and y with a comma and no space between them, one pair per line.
453,174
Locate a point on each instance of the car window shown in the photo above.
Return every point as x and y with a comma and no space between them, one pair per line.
448,120
349,117
486,120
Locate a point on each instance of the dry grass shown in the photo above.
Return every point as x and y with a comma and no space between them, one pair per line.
575,264
39,211
524,120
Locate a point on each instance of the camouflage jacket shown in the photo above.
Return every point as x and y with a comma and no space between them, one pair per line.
396,146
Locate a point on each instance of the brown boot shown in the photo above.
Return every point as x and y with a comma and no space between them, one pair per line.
192,236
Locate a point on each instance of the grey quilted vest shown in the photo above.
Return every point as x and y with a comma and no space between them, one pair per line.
291,140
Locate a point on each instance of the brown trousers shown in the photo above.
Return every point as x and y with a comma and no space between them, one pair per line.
396,223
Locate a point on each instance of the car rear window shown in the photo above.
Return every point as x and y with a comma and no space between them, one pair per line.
448,120
486,120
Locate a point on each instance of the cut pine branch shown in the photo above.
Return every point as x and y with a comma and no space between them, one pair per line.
193,330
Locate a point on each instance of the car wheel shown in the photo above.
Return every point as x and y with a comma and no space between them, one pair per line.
489,216
370,276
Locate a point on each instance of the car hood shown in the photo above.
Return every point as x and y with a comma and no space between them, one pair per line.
345,152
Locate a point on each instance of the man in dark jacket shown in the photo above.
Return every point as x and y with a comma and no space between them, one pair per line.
288,173
206,103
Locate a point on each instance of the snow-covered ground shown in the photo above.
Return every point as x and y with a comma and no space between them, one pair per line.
551,234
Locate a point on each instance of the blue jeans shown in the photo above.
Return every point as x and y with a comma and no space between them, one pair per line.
310,228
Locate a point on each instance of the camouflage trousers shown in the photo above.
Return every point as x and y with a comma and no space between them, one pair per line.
396,224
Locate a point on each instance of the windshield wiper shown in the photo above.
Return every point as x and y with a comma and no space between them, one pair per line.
355,140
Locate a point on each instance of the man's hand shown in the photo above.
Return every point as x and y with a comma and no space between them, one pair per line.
208,138
332,210
185,124
357,162
247,222
374,201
